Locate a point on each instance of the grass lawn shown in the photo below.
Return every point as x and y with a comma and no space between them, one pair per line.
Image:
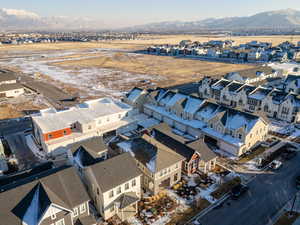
287,219
182,218
226,187
257,151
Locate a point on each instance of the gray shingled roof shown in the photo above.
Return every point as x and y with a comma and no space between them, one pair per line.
60,186
8,87
94,146
6,76
115,171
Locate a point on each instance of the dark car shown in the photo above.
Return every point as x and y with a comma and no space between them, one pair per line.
238,190
298,182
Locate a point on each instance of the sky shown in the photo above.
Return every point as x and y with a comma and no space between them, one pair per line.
120,13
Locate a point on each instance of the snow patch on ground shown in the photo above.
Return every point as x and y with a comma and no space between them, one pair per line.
94,80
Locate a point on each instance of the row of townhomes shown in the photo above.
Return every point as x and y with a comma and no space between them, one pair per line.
225,128
253,51
283,104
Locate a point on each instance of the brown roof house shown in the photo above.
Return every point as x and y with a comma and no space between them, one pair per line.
160,165
115,187
52,197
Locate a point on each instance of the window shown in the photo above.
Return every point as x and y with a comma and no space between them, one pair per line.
119,190
65,132
60,222
111,194
50,136
126,186
175,177
75,212
176,166
119,116
82,208
52,213
240,136
107,119
133,183
98,192
89,127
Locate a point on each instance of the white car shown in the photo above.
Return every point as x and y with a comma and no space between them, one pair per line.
275,164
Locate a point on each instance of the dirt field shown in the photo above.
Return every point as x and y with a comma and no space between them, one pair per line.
173,70
142,42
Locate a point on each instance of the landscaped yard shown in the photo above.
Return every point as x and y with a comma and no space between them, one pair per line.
287,219
225,187
255,152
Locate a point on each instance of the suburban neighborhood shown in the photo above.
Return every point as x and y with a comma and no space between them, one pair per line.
139,114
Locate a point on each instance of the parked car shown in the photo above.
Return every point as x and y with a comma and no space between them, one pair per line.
238,190
298,182
276,164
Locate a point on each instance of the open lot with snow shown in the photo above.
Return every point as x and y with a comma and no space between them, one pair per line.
106,68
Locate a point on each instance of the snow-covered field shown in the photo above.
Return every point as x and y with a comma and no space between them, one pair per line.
94,81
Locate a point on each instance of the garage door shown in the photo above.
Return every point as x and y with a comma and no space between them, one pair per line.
168,121
157,116
229,148
194,132
180,127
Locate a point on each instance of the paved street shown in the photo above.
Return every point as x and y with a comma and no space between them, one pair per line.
12,126
268,193
18,146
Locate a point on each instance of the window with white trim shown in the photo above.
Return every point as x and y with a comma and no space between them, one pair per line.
133,183
82,208
52,214
75,212
60,222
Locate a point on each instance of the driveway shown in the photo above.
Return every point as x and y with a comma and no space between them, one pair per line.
268,193
18,146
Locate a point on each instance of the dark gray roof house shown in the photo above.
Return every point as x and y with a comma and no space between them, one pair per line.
89,151
115,171
30,200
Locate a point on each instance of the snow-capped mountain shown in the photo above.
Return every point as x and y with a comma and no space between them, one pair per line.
286,19
15,19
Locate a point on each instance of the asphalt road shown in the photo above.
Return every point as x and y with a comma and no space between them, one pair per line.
12,126
267,194
17,144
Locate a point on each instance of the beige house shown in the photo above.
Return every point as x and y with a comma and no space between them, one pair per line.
114,185
277,104
161,167
230,130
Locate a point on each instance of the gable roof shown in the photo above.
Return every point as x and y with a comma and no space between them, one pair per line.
185,147
134,94
6,76
150,153
115,171
33,195
9,87
94,146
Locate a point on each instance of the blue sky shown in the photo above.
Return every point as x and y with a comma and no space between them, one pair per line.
131,12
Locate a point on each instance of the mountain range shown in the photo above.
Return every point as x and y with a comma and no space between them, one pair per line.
281,19
13,19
